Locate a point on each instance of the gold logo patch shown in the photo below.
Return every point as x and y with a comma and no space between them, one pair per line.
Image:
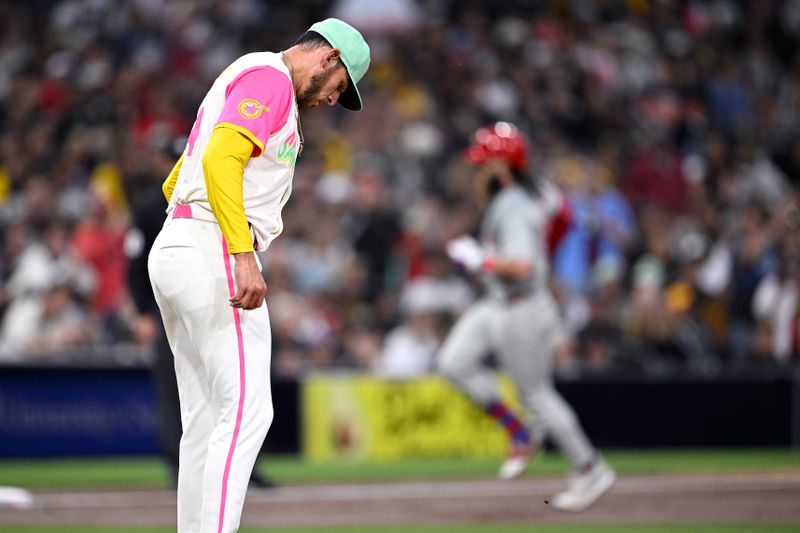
251,108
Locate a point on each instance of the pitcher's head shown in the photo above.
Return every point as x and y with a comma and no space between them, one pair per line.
338,58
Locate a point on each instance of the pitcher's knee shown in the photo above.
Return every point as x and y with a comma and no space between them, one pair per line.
262,418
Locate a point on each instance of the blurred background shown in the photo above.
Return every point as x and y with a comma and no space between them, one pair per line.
672,125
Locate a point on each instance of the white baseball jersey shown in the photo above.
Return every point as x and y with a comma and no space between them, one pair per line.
514,227
222,354
254,95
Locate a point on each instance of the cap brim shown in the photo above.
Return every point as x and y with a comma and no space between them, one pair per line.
351,98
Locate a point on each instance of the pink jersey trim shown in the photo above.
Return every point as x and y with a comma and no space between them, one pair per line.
258,100
237,322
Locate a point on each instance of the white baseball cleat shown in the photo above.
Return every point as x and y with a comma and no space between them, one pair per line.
585,489
516,463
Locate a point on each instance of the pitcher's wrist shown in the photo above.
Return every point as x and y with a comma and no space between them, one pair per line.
244,256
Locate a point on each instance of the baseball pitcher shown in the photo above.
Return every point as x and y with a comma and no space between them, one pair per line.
225,198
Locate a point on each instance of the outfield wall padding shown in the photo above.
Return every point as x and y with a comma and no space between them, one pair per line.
68,411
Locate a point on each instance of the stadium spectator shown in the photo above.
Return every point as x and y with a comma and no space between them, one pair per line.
45,325
667,116
776,303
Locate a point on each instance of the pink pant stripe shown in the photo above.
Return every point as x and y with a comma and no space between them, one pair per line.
238,324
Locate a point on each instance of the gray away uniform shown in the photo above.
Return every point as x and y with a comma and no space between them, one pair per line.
518,322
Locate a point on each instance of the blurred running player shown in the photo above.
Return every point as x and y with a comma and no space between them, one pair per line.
518,319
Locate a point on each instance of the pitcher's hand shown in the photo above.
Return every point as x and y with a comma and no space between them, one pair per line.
250,285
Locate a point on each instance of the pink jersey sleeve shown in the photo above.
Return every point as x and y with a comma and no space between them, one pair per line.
257,103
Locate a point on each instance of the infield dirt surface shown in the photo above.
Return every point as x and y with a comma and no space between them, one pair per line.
753,498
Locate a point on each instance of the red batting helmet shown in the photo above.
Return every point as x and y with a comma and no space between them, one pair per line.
501,140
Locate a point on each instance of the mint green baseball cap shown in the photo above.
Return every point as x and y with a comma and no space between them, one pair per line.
354,53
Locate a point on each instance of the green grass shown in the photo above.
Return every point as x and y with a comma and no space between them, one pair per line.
512,528
290,470
148,472
83,473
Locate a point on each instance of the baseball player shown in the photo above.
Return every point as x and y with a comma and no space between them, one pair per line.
225,198
517,319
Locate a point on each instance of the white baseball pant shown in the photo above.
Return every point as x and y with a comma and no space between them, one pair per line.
521,335
222,365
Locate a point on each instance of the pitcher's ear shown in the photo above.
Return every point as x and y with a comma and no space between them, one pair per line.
332,56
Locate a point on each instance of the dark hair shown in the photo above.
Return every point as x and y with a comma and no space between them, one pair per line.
527,182
312,39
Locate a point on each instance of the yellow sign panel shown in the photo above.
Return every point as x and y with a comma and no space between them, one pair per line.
364,417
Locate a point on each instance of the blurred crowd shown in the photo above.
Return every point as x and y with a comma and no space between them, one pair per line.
673,127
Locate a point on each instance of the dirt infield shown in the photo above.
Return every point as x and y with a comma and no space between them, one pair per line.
729,498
